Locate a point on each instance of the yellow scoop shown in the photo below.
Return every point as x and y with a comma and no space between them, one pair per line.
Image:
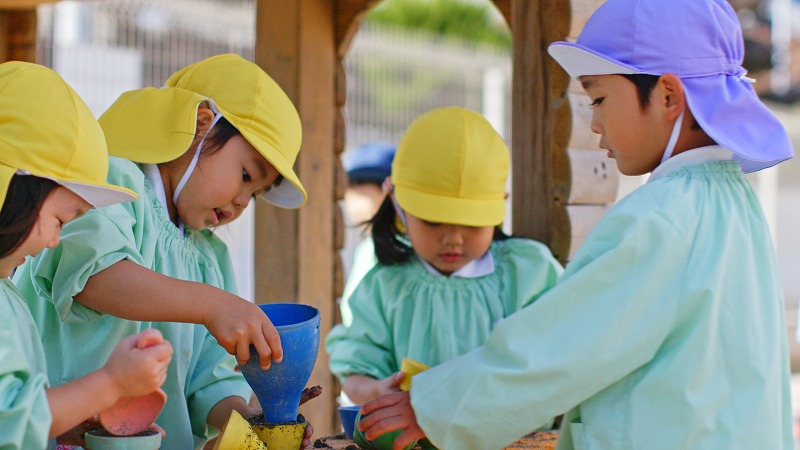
237,434
410,368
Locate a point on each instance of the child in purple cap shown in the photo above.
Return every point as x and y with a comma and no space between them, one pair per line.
666,330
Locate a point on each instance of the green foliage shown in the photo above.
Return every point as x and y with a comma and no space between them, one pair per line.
452,18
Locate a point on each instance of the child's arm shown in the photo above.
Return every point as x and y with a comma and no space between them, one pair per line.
129,372
133,292
361,388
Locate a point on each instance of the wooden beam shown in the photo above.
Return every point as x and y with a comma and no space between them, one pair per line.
22,4
348,17
295,252
538,142
504,6
18,35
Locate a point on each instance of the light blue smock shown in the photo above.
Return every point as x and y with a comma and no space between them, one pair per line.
666,331
364,260
78,340
25,417
404,310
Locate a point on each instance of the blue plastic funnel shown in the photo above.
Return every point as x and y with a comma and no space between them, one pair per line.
279,388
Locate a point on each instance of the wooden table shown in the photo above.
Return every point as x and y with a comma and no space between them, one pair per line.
542,440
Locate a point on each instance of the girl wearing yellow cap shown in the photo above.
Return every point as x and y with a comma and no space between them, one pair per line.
447,274
52,170
219,133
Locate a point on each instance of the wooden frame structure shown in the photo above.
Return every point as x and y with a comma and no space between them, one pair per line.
561,184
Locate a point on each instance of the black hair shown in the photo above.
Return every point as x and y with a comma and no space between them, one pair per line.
220,134
391,245
645,83
20,211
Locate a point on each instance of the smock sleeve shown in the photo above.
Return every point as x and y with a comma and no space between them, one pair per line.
527,270
610,312
25,417
365,347
211,380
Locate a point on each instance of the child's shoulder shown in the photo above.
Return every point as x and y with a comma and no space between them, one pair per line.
519,249
125,173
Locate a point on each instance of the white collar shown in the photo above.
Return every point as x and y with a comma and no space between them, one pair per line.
474,269
691,157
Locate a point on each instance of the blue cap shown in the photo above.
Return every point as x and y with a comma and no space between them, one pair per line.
700,41
369,163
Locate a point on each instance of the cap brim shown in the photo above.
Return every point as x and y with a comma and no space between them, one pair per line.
731,113
290,192
578,61
99,195
439,209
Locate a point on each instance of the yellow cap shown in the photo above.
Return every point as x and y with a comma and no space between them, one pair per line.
451,166
48,131
157,125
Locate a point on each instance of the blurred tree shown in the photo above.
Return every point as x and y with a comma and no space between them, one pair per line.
466,19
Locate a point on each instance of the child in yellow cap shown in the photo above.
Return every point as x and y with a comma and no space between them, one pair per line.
53,165
666,330
219,133
447,275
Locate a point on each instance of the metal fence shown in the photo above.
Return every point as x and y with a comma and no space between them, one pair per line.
103,48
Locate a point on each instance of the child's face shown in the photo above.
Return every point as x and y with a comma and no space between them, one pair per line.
634,137
60,207
447,247
223,183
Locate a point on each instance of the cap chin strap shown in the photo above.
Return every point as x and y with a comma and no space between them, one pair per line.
673,138
196,156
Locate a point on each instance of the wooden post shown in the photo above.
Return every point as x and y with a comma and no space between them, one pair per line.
540,125
295,253
18,34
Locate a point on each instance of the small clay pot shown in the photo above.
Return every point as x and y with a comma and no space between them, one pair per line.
103,440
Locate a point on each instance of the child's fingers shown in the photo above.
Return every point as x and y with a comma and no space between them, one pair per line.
243,351
273,340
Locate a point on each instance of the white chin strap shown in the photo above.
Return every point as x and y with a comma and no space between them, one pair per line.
196,156
673,138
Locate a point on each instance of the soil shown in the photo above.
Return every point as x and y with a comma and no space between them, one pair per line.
310,393
259,421
103,433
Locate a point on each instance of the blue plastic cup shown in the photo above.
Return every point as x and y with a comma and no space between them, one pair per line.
279,388
348,414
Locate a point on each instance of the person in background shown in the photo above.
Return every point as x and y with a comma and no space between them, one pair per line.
53,162
367,168
219,133
447,274
667,329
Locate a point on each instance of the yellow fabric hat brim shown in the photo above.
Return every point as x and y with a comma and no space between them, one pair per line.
444,209
133,122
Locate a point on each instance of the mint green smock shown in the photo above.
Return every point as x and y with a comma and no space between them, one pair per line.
666,331
78,340
25,417
405,311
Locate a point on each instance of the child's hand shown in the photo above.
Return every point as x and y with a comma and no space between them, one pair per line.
389,413
237,323
362,388
138,371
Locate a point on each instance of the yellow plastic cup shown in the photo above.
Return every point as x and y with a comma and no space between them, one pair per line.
281,436
410,368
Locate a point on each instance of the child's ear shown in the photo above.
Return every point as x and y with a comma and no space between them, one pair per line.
204,118
670,95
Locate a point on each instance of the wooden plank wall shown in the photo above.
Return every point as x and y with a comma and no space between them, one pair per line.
17,34
295,253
